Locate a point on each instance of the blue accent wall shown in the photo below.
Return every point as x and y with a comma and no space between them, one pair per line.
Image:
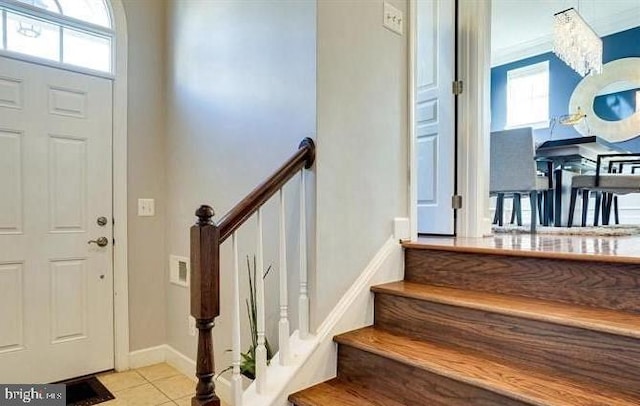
562,82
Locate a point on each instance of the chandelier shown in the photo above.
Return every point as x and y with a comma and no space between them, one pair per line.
575,43
29,30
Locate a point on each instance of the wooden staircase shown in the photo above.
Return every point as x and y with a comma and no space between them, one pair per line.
488,327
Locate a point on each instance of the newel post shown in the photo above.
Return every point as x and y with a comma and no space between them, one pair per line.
205,300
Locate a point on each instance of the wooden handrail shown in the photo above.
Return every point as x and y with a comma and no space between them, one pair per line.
206,238
304,157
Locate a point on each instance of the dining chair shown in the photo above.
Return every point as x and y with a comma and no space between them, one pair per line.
513,170
606,187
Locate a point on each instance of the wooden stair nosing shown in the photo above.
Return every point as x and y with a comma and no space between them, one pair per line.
570,256
604,320
339,393
505,380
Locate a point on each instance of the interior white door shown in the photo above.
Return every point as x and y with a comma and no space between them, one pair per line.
435,115
56,289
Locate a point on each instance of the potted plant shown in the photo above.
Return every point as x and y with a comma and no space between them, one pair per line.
248,358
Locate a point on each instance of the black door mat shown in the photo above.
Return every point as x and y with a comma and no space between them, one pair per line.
86,391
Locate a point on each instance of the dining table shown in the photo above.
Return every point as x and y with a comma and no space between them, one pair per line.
561,159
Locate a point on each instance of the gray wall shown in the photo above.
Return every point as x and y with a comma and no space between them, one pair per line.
362,181
240,97
240,94
146,170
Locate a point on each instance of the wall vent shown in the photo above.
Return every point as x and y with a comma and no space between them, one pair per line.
179,270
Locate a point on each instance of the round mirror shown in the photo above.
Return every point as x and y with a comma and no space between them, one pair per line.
616,101
609,114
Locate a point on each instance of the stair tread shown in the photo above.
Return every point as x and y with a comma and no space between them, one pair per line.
336,392
604,320
460,365
485,246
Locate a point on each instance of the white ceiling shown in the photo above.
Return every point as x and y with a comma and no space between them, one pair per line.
522,28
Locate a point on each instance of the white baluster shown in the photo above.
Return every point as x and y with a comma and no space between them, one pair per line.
236,378
261,351
303,303
283,329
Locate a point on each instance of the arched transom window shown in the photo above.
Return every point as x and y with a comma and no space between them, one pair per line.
71,32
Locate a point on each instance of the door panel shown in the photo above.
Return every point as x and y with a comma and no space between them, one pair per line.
11,182
10,93
11,307
68,300
56,290
435,115
428,163
67,183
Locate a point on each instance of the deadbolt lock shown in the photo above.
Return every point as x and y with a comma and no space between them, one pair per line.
102,221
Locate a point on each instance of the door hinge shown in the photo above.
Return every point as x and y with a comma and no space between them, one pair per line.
456,87
456,202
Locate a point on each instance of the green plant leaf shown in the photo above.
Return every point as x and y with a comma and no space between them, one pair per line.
248,361
229,368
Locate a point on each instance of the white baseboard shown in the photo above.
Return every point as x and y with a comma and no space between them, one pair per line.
315,359
147,356
182,363
179,361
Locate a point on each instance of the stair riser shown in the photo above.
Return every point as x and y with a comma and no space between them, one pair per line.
598,284
410,385
588,356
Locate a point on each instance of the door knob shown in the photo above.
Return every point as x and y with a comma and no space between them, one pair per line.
100,242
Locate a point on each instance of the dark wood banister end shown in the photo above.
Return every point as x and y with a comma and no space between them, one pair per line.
205,214
206,237
308,143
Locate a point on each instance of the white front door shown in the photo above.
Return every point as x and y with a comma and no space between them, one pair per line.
56,289
435,115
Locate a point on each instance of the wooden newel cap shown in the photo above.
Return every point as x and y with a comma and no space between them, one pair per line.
204,214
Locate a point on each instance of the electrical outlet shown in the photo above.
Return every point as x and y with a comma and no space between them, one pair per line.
192,326
392,18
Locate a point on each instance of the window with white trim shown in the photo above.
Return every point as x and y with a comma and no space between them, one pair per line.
528,96
77,33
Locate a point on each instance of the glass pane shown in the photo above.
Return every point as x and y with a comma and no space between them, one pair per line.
33,37
93,11
528,97
49,5
1,29
86,50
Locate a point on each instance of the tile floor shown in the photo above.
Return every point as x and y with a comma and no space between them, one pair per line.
154,385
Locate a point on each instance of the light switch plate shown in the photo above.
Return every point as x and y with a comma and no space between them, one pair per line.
146,207
392,18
